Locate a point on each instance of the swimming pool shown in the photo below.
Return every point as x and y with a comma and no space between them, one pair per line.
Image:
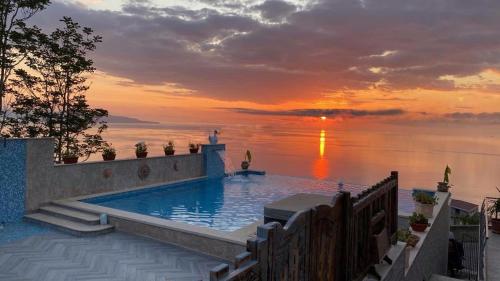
225,204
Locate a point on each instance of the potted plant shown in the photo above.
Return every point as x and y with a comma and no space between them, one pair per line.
404,235
194,147
108,153
141,149
444,186
424,203
418,222
411,240
248,159
493,211
70,156
169,148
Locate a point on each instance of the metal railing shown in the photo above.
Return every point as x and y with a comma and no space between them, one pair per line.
483,235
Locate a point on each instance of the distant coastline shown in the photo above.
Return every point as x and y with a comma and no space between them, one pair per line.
116,119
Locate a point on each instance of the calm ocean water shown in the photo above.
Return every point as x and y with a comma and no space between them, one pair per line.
352,152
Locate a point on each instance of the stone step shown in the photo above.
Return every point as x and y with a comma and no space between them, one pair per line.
70,214
75,228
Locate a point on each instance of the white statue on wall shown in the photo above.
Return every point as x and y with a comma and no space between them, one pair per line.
213,138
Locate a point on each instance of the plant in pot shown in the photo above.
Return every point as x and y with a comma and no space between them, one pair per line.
444,185
411,240
141,150
108,153
70,156
404,235
169,148
418,222
194,147
493,211
248,159
424,203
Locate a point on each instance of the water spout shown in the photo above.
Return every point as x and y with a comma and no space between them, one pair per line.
229,169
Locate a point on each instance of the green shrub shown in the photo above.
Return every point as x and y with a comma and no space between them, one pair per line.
425,198
418,218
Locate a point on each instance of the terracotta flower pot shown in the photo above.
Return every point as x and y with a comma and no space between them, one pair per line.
245,165
108,157
495,225
424,209
141,154
169,152
443,187
419,227
70,160
193,150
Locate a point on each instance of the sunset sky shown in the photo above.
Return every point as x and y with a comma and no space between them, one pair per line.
179,60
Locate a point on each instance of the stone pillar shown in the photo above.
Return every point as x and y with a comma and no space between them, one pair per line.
12,179
212,161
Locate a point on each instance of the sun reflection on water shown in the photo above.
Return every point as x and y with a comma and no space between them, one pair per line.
322,139
320,169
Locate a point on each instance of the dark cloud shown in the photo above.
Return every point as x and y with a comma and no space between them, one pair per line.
311,112
275,10
330,46
483,117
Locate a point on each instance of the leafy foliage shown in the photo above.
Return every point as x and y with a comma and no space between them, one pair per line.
405,235
418,218
169,147
194,145
494,208
466,219
141,147
15,40
50,96
108,150
425,198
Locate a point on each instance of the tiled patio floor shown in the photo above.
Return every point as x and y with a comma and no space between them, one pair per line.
117,256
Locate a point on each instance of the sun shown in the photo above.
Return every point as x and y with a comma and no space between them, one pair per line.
323,117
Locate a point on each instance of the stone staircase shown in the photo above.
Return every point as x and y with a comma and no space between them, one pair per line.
70,220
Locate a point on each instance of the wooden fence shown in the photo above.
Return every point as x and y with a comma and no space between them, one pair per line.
341,241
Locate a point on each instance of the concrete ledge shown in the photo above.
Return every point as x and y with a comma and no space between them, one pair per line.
206,240
282,210
248,172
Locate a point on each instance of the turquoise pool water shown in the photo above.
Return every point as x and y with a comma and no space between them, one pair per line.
226,204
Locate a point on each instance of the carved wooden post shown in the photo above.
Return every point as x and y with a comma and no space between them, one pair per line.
394,199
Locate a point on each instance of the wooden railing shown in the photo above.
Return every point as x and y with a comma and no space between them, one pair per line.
341,241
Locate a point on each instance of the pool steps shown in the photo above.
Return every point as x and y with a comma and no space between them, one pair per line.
78,216
69,220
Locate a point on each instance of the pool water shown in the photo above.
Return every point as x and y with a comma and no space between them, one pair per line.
225,204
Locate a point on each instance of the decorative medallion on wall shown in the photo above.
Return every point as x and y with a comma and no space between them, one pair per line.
107,173
143,171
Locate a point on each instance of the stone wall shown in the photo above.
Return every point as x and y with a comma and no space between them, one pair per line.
12,179
30,177
214,164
